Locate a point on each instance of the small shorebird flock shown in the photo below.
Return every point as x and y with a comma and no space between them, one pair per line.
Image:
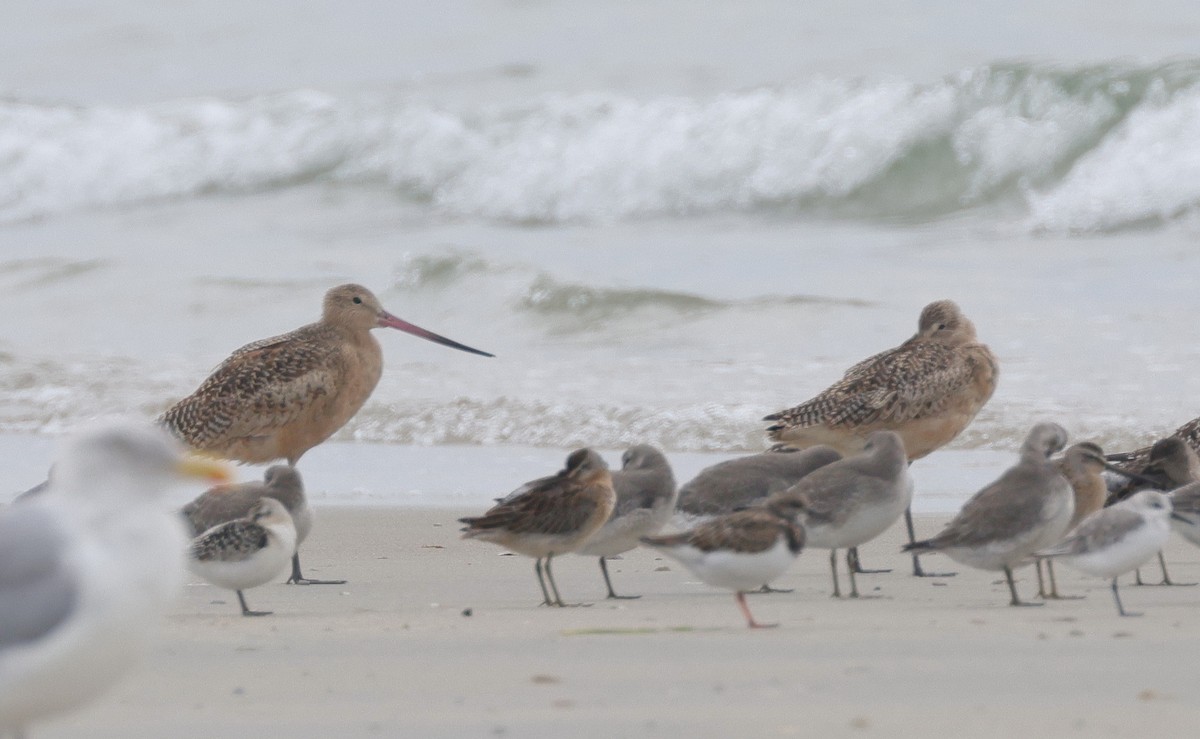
836,478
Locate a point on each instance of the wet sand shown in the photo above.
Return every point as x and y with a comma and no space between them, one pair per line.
434,636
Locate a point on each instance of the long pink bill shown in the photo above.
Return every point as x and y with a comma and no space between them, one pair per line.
387,319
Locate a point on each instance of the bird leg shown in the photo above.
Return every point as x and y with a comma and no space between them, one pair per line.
741,599
1053,583
299,579
1012,588
611,594
768,589
912,539
554,588
246,610
855,564
837,590
537,567
1166,577
1117,597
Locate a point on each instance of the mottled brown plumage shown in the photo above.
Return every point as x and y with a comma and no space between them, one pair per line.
1136,460
926,390
550,516
279,397
741,550
1170,463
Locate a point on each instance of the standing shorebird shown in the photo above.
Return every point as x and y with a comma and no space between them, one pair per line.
1023,512
646,495
741,550
226,503
279,397
853,500
551,515
736,483
1138,459
88,568
926,390
1117,539
1082,465
247,552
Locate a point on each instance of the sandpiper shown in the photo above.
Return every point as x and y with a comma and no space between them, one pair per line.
736,483
551,515
1022,512
1116,539
740,551
247,552
226,503
646,493
851,501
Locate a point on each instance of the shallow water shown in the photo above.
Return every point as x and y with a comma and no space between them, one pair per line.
664,231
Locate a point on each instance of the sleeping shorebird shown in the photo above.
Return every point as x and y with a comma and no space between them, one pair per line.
1023,512
1138,459
551,515
926,390
247,552
226,503
741,550
646,495
279,397
1117,539
736,483
853,500
88,568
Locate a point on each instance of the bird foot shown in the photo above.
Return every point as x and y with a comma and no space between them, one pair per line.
1056,596
1166,583
769,589
257,613
862,571
1024,604
614,596
757,625
310,581
1131,614
918,572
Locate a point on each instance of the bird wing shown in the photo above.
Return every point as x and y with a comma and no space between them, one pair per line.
641,489
261,387
1003,506
229,542
220,505
748,531
905,383
543,510
37,589
1099,530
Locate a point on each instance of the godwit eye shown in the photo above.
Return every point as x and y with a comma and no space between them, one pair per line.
357,300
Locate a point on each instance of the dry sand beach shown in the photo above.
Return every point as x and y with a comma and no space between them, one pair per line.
434,636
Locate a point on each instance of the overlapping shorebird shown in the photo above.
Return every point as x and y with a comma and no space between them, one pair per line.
837,478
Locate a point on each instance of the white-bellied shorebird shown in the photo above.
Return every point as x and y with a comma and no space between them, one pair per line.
550,516
646,494
740,551
88,567
1022,512
247,552
226,503
1117,539
279,397
926,390
851,501
736,483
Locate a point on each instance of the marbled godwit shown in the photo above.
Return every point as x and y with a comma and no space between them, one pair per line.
736,483
926,390
550,516
1023,512
88,568
646,495
246,553
741,550
851,501
1082,465
1117,539
279,397
226,503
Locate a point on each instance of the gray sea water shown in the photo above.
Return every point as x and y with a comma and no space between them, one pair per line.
666,220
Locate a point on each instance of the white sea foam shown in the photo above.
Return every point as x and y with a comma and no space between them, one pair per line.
1089,149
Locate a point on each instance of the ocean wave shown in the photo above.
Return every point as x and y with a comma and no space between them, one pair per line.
1061,149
